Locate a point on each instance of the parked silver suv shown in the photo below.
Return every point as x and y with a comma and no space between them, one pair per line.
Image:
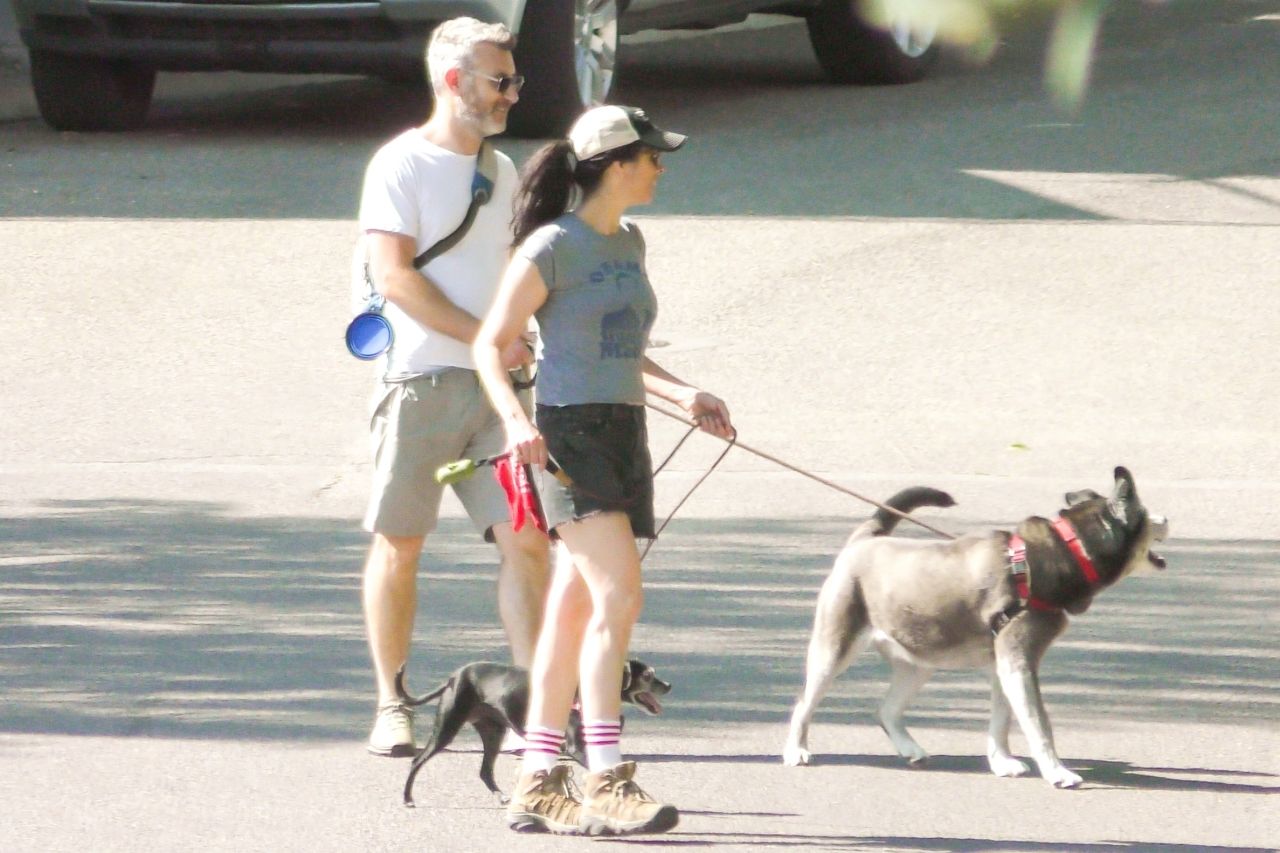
94,62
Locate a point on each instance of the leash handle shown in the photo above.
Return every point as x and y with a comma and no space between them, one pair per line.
836,486
461,469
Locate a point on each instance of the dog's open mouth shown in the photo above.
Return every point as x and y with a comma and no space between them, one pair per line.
1156,560
649,702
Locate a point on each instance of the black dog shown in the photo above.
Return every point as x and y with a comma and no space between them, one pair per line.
494,697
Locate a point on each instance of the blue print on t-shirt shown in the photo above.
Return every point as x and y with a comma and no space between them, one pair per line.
622,334
622,272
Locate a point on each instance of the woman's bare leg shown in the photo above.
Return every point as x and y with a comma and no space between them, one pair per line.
604,554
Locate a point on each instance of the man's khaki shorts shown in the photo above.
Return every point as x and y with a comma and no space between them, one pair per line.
416,427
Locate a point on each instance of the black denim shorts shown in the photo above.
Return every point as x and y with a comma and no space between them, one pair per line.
604,448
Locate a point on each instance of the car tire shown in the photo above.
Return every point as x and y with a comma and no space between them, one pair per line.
567,51
88,93
850,49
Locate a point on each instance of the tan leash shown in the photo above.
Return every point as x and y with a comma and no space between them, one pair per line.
693,427
829,484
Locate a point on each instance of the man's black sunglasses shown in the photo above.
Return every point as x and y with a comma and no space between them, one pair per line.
506,83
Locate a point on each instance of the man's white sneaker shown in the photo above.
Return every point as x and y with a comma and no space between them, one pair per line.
392,734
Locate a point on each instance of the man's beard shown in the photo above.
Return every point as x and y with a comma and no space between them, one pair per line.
485,123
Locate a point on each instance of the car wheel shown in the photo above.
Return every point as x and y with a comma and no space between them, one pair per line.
567,50
900,48
88,93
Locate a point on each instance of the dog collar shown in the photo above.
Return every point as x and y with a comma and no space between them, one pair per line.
1067,533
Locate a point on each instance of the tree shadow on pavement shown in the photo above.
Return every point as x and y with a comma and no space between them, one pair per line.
1097,773
185,620
853,842
1122,774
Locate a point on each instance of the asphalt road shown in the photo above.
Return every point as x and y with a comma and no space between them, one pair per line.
949,283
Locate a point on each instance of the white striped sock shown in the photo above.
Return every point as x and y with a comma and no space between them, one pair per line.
542,748
601,737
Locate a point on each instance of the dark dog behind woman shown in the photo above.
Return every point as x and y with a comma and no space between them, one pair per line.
581,271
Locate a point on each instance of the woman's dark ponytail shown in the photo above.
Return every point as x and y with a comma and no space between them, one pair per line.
545,189
550,176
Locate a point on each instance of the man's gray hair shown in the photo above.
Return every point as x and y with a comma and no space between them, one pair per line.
453,42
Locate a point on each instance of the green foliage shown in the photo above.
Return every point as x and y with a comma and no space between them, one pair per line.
1070,57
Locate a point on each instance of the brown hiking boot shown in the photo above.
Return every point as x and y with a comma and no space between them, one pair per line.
613,804
544,801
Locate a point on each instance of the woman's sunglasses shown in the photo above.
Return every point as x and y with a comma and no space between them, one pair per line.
506,83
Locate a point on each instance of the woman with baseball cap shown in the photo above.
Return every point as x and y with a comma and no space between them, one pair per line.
579,268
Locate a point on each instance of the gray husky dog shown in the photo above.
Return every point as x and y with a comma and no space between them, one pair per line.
993,600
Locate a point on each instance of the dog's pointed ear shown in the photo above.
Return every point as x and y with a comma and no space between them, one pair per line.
1081,496
1125,492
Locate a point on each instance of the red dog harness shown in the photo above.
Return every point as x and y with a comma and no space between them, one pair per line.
1018,569
1017,552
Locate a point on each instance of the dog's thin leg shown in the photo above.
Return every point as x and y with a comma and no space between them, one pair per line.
450,717
423,756
1022,688
491,738
825,662
999,758
905,683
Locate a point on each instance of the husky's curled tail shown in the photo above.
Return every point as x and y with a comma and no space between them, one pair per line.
906,501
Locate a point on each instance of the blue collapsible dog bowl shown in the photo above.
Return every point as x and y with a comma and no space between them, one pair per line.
368,335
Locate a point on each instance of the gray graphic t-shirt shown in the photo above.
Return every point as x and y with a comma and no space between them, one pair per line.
599,310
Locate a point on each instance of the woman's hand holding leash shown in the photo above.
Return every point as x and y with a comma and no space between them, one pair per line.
707,411
710,413
525,443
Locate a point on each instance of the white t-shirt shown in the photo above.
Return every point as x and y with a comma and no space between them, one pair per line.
416,188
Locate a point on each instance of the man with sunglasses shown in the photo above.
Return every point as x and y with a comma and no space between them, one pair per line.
429,408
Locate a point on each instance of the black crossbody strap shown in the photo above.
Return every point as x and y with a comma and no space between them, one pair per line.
481,191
